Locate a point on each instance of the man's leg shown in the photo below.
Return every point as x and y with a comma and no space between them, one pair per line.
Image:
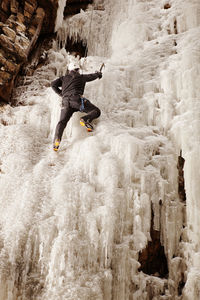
65,115
92,111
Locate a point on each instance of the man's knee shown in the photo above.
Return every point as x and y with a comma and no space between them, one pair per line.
98,112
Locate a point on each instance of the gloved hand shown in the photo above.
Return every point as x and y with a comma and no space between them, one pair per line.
99,74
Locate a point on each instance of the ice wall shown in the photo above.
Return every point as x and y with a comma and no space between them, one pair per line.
72,223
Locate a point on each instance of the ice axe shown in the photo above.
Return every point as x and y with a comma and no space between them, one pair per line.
102,66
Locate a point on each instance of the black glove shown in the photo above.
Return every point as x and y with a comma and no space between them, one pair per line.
99,74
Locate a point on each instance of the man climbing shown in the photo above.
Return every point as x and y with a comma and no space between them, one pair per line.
73,85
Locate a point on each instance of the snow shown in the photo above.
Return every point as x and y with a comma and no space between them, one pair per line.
72,223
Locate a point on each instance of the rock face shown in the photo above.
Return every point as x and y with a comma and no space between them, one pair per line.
74,6
152,259
21,23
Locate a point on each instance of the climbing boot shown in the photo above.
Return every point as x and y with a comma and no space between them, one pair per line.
56,145
87,124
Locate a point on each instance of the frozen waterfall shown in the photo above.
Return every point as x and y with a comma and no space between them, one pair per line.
78,224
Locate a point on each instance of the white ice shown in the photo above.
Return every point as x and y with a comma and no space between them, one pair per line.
72,223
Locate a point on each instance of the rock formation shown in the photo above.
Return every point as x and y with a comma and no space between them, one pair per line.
21,23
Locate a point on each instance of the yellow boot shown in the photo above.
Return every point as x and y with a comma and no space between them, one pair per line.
87,124
56,145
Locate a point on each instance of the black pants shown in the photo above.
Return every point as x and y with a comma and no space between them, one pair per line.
69,107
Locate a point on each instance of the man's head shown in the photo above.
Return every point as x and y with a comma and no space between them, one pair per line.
74,66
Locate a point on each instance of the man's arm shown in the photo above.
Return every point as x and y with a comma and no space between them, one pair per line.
55,86
93,76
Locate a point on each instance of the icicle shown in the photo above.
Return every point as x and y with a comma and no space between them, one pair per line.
60,14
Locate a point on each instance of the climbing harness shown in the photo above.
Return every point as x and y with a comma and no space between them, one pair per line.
82,107
82,104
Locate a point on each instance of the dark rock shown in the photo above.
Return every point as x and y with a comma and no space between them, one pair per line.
9,32
29,9
50,7
14,49
32,30
23,42
14,6
181,180
40,14
11,21
5,6
3,16
20,17
77,48
4,77
21,22
167,6
20,27
6,90
32,2
10,66
74,6
152,259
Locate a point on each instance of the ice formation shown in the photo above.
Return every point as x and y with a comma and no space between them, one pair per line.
73,223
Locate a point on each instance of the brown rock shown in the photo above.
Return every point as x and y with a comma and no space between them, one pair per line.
14,49
7,55
12,18
50,7
6,90
20,51
38,18
167,5
32,30
20,17
5,6
14,6
13,54
6,43
32,2
9,32
9,65
4,77
2,53
40,13
30,7
27,15
20,27
3,16
11,21
23,41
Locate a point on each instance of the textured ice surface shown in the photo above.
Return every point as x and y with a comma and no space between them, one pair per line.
72,223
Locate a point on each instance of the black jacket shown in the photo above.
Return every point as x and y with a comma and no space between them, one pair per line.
73,84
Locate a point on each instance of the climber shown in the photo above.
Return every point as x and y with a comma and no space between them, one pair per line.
72,88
